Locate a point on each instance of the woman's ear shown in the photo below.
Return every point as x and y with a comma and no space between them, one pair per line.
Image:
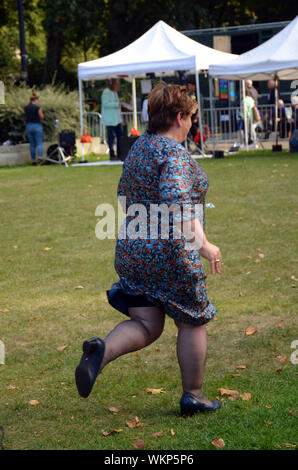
179,119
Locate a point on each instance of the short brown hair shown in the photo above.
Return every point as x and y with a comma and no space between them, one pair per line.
165,102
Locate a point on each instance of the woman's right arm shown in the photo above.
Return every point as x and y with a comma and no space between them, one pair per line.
40,113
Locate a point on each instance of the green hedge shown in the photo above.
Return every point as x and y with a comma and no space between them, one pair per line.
56,102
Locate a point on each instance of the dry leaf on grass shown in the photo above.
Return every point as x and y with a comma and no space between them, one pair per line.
105,433
11,387
157,349
219,443
154,391
5,310
286,444
172,432
292,411
34,402
134,423
251,330
139,444
261,255
47,248
257,261
279,325
269,406
268,422
245,396
241,366
157,434
113,409
79,287
231,393
61,348
116,430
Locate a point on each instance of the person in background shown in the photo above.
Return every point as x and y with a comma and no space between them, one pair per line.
271,95
249,105
145,117
34,116
251,91
111,116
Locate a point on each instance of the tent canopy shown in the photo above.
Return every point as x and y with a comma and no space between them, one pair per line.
161,49
276,57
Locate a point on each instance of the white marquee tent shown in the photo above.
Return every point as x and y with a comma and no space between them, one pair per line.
277,57
160,50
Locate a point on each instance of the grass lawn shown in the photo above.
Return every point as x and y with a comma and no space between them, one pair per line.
48,248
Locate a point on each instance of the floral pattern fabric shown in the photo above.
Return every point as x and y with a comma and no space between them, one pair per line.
164,270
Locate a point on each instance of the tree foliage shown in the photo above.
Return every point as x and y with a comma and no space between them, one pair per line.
62,33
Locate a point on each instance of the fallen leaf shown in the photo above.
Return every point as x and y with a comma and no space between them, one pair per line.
294,278
105,433
139,444
235,375
117,430
257,261
251,330
15,246
245,396
268,406
249,257
279,325
47,248
268,422
172,432
157,434
231,393
134,423
283,359
258,249
277,279
34,402
5,310
292,411
79,287
241,367
289,445
157,349
154,391
113,409
10,259
240,294
261,255
136,353
61,348
11,387
219,443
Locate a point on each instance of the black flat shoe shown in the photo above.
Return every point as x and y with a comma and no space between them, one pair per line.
189,405
88,368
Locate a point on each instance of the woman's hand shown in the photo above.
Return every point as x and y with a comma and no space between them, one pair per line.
212,253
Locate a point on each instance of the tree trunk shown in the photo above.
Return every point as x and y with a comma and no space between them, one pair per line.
55,43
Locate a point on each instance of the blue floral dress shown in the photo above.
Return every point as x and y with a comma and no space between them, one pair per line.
161,269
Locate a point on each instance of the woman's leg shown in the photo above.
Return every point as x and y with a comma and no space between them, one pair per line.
118,130
31,138
144,327
111,140
39,136
192,354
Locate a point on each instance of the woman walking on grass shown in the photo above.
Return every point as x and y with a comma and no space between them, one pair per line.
161,274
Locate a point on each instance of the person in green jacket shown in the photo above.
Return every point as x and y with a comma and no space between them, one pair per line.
111,117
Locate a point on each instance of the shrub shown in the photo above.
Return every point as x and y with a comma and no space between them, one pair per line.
56,102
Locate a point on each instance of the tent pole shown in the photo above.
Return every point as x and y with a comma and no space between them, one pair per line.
276,108
134,102
81,115
211,113
199,109
244,115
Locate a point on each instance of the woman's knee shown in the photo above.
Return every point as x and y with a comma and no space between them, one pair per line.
151,318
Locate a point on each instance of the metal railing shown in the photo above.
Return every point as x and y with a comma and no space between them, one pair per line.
227,123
